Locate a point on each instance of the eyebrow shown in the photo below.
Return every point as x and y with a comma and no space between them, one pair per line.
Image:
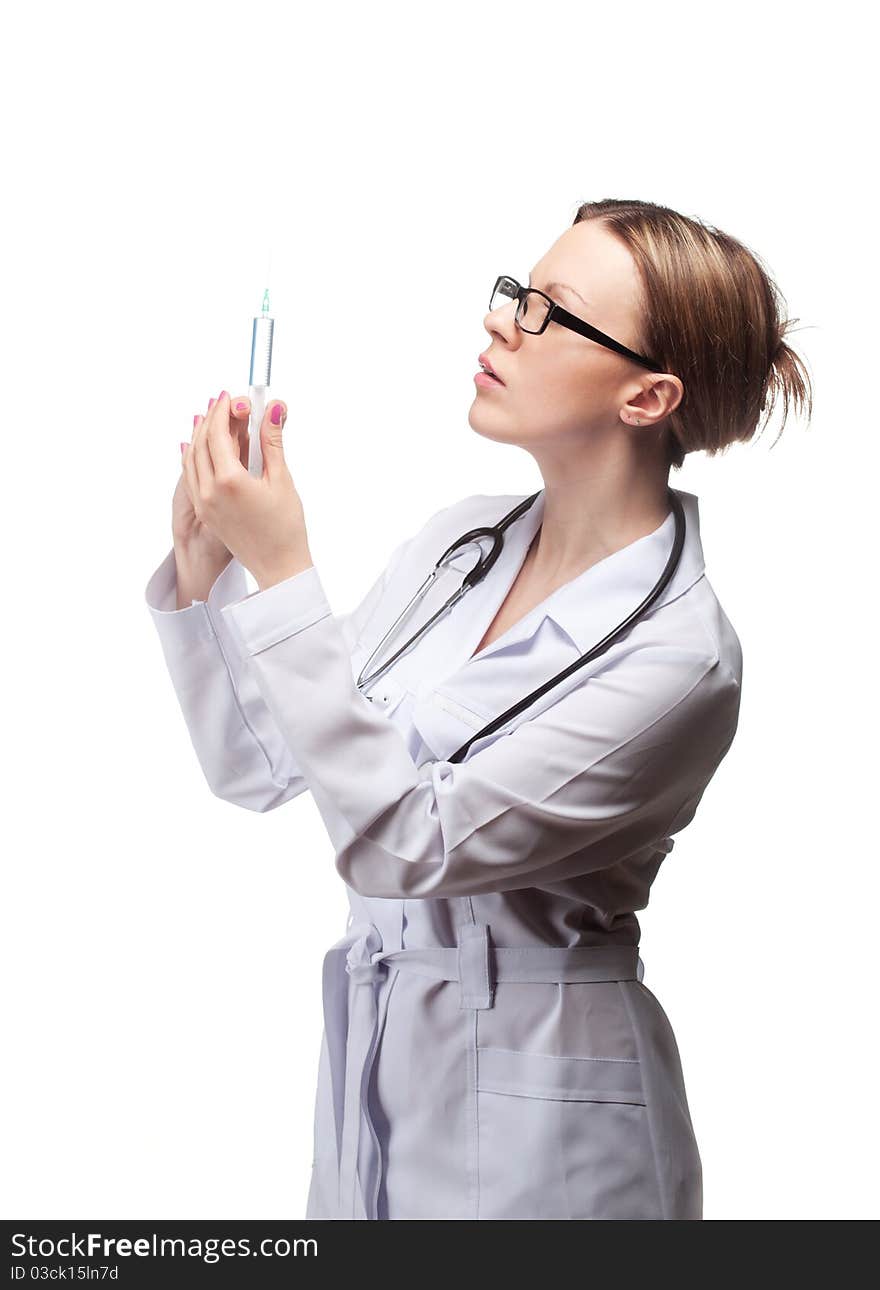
564,285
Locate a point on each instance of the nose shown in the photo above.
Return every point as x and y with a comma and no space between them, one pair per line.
502,322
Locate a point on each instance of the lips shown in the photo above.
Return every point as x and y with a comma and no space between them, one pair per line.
489,368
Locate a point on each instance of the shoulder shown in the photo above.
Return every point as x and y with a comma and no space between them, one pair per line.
442,528
701,613
681,666
476,509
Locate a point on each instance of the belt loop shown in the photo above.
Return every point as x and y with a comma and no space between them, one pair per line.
477,987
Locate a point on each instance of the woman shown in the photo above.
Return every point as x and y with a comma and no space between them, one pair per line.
489,1047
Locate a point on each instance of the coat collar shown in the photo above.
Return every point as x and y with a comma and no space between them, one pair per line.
456,694
594,602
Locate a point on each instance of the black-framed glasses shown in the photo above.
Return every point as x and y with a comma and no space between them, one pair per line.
534,310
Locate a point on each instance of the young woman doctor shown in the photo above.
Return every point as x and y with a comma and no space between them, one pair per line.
489,1047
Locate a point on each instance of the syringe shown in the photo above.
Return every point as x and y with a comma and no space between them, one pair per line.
261,373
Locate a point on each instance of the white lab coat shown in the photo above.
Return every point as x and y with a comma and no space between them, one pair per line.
509,1062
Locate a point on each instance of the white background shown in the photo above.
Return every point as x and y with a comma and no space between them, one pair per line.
162,949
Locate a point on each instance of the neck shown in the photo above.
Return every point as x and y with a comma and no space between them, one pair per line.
591,511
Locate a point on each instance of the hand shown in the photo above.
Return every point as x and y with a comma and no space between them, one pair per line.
260,521
188,532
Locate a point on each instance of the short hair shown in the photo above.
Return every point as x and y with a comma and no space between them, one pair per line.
713,316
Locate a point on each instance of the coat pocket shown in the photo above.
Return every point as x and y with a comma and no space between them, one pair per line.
563,1137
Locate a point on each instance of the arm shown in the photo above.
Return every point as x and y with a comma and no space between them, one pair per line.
243,753
609,768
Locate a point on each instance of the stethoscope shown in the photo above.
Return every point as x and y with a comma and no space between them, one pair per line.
496,534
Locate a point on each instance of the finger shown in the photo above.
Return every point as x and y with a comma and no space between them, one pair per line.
201,450
218,437
244,444
200,428
190,471
186,485
239,420
184,445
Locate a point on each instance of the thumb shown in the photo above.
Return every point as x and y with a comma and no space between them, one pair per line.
270,437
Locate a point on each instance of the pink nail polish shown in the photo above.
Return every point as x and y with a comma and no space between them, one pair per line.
240,407
195,419
276,415
210,404
221,394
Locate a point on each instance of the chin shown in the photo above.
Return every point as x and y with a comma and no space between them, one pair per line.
484,423
489,426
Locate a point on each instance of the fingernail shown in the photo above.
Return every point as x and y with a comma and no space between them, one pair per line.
221,395
276,414
195,419
182,447
210,404
240,407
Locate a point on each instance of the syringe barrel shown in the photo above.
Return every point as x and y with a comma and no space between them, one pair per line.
261,350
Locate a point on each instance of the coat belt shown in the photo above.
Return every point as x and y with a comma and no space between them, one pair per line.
354,1016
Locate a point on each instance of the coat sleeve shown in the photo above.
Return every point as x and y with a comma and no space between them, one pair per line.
613,766
244,754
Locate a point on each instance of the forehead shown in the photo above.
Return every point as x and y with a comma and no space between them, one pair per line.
595,263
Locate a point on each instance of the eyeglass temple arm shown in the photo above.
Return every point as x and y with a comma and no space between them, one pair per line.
577,324
593,333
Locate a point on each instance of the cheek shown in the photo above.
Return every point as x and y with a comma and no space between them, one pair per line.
575,385
572,396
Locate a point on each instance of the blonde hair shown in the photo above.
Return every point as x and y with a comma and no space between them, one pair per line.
712,316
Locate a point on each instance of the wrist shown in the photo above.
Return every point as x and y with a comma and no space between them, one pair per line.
279,573
196,573
195,557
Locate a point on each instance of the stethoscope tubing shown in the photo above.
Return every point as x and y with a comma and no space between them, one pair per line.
479,572
476,575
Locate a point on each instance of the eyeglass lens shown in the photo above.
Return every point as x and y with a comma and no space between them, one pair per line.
533,308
